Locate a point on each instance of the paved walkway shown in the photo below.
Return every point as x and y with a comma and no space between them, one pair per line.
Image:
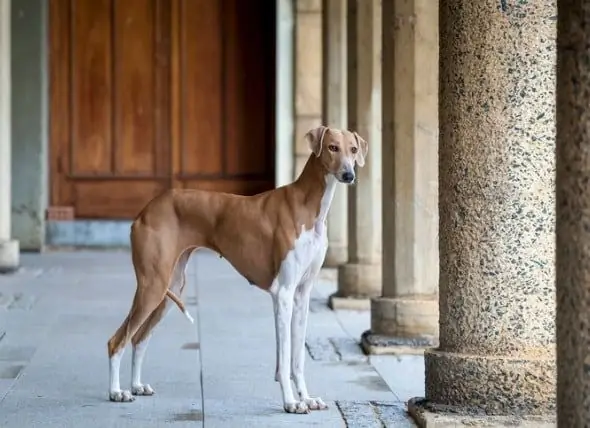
57,313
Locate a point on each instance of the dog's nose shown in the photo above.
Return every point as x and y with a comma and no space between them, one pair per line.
348,177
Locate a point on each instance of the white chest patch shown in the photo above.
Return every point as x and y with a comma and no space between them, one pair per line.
307,256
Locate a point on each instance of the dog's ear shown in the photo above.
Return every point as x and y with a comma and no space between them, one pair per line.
315,138
363,149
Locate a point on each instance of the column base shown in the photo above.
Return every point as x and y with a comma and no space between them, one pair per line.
328,274
429,415
9,256
336,255
357,284
359,280
405,317
494,385
337,302
378,344
402,326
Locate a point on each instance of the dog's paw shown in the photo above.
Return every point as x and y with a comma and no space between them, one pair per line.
299,407
315,403
121,396
142,389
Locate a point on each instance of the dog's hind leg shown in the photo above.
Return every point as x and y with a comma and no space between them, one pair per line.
141,338
146,300
140,343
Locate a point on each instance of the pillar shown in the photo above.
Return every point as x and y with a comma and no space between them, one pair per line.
30,185
405,317
360,278
573,214
496,208
308,76
9,248
334,115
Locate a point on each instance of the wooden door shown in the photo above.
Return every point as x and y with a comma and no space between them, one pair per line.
148,95
224,63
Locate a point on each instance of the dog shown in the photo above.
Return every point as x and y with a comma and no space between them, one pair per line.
277,240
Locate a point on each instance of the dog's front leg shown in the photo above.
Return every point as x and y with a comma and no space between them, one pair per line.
282,299
298,333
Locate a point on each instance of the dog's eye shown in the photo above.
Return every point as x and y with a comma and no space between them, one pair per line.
333,148
354,150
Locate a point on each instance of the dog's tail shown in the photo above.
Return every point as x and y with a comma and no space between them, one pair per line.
180,305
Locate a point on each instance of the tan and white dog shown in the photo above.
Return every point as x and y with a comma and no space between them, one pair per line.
277,240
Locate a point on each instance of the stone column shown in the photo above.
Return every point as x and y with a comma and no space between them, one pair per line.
308,75
405,317
573,214
496,208
334,115
360,278
30,185
9,248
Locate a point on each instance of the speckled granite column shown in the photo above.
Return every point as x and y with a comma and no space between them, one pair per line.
573,214
334,115
360,277
405,317
496,208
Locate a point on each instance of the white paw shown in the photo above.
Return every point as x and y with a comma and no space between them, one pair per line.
315,403
299,407
121,396
143,389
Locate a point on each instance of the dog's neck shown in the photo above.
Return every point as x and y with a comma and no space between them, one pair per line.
318,186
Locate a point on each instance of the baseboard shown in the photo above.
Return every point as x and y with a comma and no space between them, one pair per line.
88,233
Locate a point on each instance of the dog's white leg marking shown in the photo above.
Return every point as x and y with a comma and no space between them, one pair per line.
298,333
276,340
115,392
138,388
283,308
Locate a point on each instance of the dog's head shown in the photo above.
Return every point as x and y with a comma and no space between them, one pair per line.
338,150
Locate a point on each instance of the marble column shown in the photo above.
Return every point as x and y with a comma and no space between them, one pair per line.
496,208
360,278
573,214
405,317
9,248
334,115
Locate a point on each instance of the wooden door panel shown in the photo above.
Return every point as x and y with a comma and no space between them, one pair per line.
226,106
113,198
249,90
200,78
111,142
91,87
133,95
239,185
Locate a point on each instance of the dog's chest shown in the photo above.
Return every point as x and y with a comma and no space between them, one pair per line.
306,256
